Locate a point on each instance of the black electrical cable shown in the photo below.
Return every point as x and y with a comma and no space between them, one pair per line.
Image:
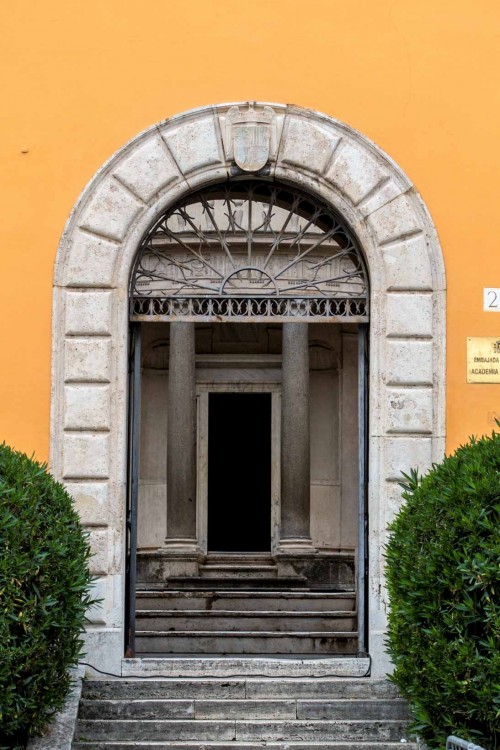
155,677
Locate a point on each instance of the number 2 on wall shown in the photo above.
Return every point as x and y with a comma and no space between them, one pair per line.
491,300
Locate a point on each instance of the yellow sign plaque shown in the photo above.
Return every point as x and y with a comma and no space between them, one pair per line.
483,359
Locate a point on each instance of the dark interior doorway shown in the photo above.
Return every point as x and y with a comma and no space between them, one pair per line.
239,472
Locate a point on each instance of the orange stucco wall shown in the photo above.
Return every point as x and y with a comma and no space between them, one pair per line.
80,77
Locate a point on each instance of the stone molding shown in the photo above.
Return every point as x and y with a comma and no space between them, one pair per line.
90,320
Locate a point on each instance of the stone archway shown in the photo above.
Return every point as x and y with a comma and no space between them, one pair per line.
90,347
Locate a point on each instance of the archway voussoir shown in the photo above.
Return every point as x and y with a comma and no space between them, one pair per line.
195,144
91,261
366,182
149,169
396,220
407,264
307,144
111,211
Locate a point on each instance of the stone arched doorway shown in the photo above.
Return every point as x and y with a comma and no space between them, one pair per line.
90,341
250,298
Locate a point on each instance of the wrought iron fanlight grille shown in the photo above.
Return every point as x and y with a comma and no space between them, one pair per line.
249,249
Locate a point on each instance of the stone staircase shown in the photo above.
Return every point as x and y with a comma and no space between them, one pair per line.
244,603
241,713
250,619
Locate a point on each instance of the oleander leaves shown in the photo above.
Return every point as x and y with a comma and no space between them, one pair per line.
44,594
443,578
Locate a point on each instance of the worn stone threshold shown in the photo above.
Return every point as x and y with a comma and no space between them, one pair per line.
172,665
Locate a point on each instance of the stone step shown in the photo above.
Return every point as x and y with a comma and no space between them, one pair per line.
248,600
335,688
226,620
136,709
241,666
249,687
243,709
378,710
245,642
188,709
239,558
332,570
238,571
165,688
288,745
202,731
238,584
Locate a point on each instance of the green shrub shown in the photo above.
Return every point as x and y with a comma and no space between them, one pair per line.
443,574
44,593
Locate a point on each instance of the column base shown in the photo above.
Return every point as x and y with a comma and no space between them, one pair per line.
296,546
178,558
180,545
294,557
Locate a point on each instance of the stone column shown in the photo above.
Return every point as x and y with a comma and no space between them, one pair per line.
295,440
181,440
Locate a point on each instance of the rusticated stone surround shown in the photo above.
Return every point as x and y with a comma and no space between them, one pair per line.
90,329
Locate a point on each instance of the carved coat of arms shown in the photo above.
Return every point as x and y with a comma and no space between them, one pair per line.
250,136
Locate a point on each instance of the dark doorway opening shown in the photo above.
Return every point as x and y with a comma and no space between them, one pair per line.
239,472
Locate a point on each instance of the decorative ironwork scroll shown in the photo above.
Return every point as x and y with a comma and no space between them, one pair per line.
249,249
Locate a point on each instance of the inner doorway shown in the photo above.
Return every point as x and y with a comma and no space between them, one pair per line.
239,472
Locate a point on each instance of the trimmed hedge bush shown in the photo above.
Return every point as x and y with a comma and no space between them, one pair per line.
44,594
443,576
